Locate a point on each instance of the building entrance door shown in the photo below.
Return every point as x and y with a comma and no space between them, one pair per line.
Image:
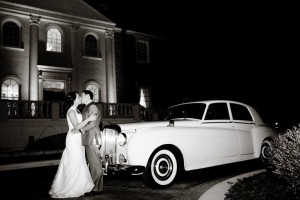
54,95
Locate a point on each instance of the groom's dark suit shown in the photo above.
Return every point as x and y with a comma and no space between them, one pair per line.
91,139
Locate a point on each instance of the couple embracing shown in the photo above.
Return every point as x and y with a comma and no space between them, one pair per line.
73,177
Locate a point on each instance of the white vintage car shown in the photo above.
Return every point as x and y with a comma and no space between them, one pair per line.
194,135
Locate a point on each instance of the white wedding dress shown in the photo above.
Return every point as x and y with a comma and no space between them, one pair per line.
72,178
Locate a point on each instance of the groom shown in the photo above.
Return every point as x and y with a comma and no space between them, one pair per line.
91,139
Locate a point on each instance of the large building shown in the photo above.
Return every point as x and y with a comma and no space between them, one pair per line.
48,49
51,47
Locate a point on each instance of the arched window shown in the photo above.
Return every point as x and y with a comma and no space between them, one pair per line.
10,89
90,43
11,34
95,89
54,40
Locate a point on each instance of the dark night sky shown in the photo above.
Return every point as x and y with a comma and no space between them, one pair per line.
238,51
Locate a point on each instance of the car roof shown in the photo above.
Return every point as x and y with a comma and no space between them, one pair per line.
255,115
212,101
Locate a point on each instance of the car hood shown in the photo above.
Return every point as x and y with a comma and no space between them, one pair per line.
140,125
165,123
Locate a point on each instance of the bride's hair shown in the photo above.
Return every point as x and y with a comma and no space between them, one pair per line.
70,98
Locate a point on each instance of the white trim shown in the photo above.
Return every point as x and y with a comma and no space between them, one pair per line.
54,69
140,34
12,48
92,58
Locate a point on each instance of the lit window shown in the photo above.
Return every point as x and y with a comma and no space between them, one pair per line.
10,90
94,88
142,51
60,85
11,34
145,98
90,46
53,40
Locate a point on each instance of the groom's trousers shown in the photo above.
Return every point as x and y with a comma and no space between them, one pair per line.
95,164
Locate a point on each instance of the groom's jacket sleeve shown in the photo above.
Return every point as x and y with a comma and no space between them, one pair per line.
92,109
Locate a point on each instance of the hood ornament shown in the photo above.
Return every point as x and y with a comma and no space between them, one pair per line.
171,123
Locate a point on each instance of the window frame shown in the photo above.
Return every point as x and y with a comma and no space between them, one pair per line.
145,97
213,112
95,83
98,55
48,28
17,80
141,41
20,25
238,110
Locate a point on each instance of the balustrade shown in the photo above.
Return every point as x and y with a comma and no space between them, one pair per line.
43,109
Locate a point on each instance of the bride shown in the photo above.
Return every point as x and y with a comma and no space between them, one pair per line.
73,178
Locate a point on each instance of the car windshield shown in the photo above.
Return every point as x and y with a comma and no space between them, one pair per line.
194,110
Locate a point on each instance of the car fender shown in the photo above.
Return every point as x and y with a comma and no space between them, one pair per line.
261,134
144,142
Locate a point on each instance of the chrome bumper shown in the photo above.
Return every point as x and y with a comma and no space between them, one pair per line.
124,169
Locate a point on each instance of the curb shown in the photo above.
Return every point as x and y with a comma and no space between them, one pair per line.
29,165
218,191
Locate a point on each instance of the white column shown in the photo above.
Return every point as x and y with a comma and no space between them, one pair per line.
33,57
41,95
75,55
110,67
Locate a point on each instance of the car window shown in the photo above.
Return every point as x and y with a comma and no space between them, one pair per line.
240,112
195,110
217,111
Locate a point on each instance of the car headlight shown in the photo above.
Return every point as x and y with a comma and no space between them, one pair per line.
122,139
122,159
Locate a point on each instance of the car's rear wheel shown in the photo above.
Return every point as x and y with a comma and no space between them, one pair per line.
161,169
265,153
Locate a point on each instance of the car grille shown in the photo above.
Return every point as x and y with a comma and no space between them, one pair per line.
109,138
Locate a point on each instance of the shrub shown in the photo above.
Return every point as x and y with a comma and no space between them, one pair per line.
285,158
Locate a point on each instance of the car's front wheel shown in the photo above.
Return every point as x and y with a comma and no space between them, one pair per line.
161,169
